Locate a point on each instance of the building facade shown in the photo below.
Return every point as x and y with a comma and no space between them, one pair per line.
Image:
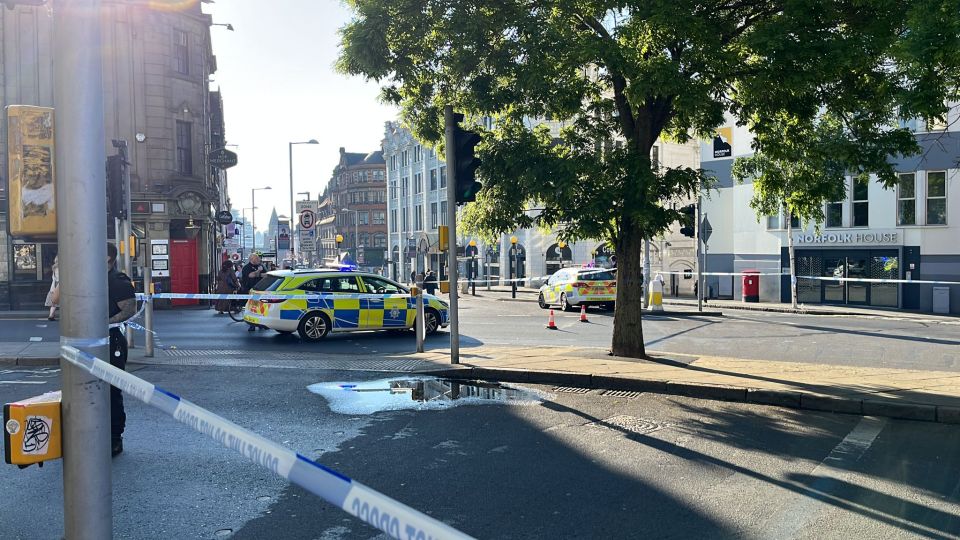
908,232
358,200
156,97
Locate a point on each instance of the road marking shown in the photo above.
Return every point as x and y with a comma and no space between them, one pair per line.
799,515
23,382
36,338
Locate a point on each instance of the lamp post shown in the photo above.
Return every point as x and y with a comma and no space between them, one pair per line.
253,214
514,271
339,239
243,236
290,146
356,235
560,245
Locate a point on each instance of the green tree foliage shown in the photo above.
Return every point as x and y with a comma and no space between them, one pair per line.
635,71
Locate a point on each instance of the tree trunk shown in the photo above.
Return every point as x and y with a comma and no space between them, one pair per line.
627,320
793,260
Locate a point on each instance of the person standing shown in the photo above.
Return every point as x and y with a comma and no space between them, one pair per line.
53,297
430,282
251,274
227,283
122,304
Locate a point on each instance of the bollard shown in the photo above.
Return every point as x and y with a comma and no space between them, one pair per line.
656,294
148,312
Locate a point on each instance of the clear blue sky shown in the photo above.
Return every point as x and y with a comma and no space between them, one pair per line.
276,74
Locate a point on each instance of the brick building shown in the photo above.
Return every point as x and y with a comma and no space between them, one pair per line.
358,197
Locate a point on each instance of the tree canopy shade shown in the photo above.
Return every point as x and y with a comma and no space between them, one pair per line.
622,74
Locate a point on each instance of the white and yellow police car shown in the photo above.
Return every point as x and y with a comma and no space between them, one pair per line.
572,287
347,301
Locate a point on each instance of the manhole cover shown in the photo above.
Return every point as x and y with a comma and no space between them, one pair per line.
570,390
628,394
633,424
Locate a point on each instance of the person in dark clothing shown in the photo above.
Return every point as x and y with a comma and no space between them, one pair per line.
227,283
430,282
249,276
122,304
413,277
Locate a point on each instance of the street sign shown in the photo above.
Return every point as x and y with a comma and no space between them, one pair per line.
307,219
235,257
308,239
705,230
224,217
283,236
222,158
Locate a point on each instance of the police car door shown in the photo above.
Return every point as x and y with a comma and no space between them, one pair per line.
385,304
347,314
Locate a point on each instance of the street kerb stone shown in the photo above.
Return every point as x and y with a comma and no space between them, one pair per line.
615,382
781,398
948,415
815,402
903,411
501,374
37,361
558,378
707,391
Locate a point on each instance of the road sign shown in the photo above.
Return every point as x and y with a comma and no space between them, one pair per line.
283,235
235,257
224,217
222,158
705,230
307,219
308,239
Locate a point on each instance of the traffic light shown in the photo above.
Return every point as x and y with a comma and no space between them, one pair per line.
466,164
689,212
116,194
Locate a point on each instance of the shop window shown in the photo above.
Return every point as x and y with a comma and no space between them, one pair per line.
861,204
25,260
907,199
937,198
834,214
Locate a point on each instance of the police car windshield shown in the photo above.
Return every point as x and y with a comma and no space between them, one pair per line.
268,283
595,275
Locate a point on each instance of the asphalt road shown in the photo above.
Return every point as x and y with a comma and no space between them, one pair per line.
842,340
570,466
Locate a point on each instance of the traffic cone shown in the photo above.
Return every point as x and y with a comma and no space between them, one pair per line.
551,324
583,313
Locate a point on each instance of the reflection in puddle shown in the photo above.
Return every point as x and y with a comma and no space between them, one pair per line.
419,393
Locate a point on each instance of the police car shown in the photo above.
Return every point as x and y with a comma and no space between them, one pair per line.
572,287
348,301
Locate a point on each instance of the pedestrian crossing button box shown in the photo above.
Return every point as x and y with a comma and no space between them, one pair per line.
31,430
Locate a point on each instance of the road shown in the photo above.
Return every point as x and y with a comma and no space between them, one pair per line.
567,466
841,340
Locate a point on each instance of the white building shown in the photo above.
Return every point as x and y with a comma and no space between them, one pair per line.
910,232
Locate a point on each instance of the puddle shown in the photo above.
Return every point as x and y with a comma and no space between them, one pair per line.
418,393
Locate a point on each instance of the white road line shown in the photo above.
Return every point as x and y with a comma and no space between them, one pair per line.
23,382
36,338
795,520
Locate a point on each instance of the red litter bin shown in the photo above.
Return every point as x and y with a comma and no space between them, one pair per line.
751,285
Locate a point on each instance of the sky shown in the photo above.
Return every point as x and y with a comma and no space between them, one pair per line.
275,71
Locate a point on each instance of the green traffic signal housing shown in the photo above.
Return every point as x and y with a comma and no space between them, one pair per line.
466,163
688,219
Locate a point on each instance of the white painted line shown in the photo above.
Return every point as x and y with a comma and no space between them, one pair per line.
23,382
795,520
36,338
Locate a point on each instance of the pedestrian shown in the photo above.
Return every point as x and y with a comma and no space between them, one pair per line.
226,284
413,277
122,304
430,282
53,296
251,272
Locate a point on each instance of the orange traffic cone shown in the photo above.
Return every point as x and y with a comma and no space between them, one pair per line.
551,324
583,313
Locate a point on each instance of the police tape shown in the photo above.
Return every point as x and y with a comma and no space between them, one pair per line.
376,509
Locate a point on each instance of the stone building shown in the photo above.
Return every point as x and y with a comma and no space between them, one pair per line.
156,66
357,195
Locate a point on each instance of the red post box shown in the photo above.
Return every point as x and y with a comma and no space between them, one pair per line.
751,286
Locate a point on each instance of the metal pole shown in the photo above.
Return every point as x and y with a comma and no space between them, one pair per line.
646,272
290,145
148,310
356,238
253,217
421,328
486,271
81,222
451,158
696,238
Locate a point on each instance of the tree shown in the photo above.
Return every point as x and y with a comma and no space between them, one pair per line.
620,75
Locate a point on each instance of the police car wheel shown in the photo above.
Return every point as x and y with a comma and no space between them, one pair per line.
564,305
313,326
543,303
431,321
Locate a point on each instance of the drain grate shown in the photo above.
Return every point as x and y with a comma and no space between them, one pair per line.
633,424
570,390
628,394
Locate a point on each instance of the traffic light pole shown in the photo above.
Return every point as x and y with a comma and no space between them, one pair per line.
81,226
696,238
449,124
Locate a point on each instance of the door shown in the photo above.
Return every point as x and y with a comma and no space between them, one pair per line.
857,291
834,292
183,270
385,305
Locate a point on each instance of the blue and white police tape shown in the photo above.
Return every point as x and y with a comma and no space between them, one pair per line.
390,516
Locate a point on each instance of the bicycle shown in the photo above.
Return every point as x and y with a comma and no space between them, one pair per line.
236,309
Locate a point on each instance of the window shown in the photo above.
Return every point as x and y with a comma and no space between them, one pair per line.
418,183
339,284
907,199
404,159
433,179
403,186
181,51
418,218
417,153
364,239
393,189
443,212
654,157
393,163
937,198
861,204
184,153
433,215
834,214
364,218
443,177
406,221
379,240
382,286
773,222
393,220
379,218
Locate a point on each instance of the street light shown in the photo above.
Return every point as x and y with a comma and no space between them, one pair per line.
228,26
311,141
513,269
339,239
560,245
243,235
356,235
253,215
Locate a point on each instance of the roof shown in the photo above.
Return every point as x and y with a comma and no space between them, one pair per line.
350,159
